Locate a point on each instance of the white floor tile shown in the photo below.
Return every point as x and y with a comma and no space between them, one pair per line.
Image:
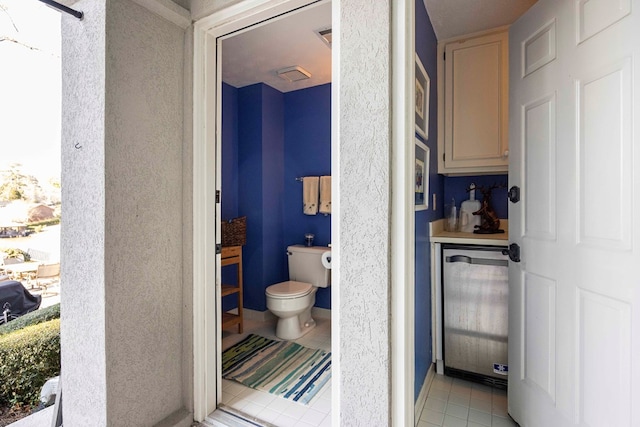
478,417
295,410
326,422
281,405
434,404
502,422
253,409
269,415
481,394
480,405
262,398
313,417
322,405
457,410
451,421
285,421
459,399
439,394
433,417
465,404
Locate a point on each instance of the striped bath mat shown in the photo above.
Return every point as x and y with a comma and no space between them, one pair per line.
283,368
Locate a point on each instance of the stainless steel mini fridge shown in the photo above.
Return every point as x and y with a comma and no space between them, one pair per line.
475,311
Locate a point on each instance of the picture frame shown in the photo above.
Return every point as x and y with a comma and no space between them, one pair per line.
422,91
421,175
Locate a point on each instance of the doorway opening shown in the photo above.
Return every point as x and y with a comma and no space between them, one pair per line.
272,133
275,144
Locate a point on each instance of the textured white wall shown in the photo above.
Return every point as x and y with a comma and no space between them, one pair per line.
201,8
82,255
364,168
123,229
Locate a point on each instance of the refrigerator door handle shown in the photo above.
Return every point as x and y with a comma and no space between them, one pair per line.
477,261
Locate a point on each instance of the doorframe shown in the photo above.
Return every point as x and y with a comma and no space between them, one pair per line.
206,180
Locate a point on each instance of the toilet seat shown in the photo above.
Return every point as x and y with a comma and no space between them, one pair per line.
289,289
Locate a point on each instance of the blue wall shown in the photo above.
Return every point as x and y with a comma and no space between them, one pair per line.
456,187
426,48
229,205
269,139
307,151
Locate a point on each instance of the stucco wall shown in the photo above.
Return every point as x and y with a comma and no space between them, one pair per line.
202,8
364,210
83,222
132,198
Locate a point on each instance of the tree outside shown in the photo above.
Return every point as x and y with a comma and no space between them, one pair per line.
30,129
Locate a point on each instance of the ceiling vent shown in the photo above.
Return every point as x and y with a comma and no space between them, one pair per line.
325,35
293,74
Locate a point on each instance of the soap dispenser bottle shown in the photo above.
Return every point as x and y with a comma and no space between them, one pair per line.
468,220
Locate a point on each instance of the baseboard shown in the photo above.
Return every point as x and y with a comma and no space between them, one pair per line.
321,313
422,396
180,418
259,316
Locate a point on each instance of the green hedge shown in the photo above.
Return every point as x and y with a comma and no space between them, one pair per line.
28,358
52,221
33,318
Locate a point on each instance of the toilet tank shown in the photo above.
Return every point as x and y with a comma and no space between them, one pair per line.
305,265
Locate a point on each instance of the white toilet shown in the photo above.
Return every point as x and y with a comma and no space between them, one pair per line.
292,301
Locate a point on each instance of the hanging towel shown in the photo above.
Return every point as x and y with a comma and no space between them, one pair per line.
325,194
310,195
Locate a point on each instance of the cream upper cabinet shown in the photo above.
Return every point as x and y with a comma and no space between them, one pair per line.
473,102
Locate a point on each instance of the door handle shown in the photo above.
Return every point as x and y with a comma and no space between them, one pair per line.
513,252
477,261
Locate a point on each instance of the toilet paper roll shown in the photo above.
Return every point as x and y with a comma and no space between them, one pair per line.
326,260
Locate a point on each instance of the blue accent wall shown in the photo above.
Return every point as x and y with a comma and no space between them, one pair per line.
426,49
229,205
229,199
268,139
307,152
456,187
260,162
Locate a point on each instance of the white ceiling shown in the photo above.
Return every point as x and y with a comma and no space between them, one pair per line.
256,54
452,18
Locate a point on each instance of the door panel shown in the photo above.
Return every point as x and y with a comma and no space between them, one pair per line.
596,15
574,296
605,116
604,390
539,334
540,167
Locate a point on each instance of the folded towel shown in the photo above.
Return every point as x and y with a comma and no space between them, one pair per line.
325,194
310,195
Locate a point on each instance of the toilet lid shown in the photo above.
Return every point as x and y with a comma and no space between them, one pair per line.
289,289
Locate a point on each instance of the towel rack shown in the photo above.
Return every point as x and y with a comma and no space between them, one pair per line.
301,178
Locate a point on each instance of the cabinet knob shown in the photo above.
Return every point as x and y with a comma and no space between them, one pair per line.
505,154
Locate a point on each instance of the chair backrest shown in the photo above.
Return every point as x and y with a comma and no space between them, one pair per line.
48,270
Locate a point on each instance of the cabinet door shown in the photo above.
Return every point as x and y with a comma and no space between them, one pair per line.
476,104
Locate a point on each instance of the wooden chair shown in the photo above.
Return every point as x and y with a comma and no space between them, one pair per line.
45,276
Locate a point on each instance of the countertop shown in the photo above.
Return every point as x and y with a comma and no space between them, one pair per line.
438,235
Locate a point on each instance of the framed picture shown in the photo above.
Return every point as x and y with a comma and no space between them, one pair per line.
421,176
422,91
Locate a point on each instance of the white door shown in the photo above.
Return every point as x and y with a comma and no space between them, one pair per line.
574,330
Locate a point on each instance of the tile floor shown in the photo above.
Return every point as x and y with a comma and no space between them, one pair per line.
452,402
272,409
